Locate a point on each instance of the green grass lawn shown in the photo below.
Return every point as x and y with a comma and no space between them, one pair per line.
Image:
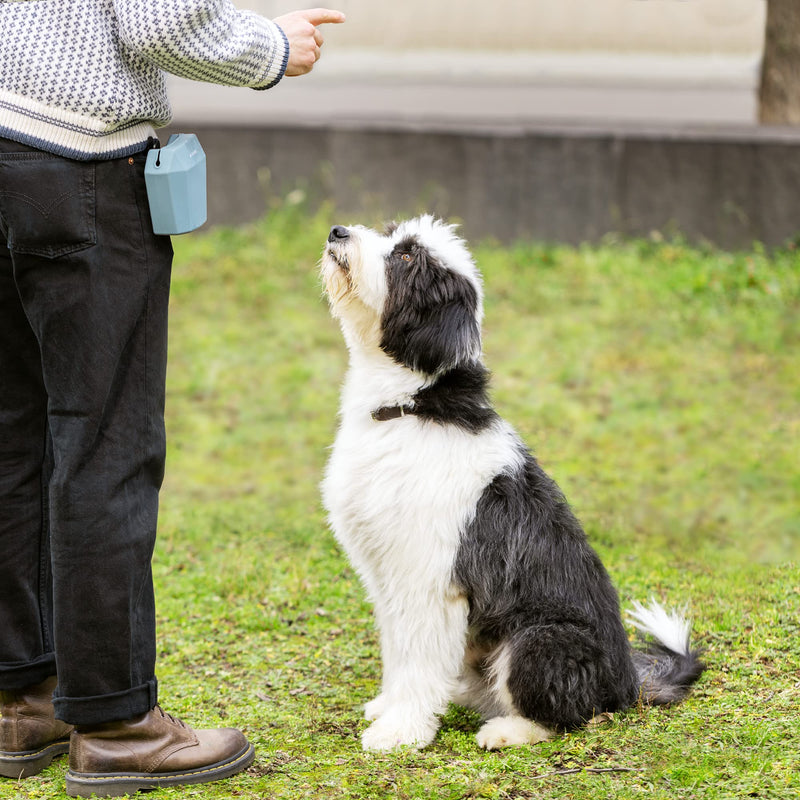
657,382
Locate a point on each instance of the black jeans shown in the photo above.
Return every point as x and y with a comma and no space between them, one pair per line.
84,288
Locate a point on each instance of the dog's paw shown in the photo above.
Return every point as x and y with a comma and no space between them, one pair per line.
392,731
510,732
375,708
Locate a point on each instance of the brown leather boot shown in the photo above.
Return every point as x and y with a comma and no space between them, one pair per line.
151,751
30,735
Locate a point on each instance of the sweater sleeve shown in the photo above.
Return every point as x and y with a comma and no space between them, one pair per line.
205,40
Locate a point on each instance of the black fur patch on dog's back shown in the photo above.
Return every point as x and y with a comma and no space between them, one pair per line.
429,320
534,583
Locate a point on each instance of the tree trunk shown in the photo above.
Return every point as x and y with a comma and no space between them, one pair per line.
779,94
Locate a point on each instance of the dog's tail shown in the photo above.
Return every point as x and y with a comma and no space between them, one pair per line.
666,665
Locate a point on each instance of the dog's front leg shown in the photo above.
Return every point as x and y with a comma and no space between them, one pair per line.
374,708
422,640
393,654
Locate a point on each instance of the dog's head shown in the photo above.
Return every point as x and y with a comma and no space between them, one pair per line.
412,291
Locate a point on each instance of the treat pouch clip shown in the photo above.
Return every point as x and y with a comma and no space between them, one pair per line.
175,176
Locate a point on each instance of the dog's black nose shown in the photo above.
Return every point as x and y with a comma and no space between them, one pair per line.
338,233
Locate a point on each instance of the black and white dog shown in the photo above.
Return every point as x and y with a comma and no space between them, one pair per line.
486,591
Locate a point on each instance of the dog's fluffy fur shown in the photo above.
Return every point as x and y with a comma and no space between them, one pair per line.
486,591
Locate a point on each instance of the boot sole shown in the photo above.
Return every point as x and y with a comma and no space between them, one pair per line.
117,784
31,762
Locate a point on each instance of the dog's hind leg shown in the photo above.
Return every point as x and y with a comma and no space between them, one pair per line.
423,642
506,726
553,675
478,687
511,731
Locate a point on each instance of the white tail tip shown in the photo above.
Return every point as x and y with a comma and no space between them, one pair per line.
669,628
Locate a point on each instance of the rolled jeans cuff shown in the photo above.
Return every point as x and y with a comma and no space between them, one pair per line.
108,707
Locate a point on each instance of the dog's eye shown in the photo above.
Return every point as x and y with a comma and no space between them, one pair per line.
405,257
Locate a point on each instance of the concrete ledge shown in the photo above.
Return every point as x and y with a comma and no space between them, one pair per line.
428,87
552,182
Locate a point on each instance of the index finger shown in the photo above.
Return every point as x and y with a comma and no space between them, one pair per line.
319,16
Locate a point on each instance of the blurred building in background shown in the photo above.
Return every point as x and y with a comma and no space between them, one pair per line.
508,61
550,119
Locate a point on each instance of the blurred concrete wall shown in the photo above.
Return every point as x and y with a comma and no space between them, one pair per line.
570,184
694,61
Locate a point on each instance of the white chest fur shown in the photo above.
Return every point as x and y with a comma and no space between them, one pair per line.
400,492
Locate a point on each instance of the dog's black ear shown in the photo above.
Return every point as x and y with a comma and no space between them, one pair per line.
429,321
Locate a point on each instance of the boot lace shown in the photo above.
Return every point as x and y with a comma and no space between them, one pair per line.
169,717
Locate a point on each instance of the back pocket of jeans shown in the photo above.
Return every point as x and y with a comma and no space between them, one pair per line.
47,204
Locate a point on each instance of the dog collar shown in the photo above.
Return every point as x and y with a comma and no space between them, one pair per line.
385,413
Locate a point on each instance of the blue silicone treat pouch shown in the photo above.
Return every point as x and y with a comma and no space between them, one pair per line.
175,177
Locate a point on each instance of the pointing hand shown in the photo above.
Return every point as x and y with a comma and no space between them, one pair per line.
305,39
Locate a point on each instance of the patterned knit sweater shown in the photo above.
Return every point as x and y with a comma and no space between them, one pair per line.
85,78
